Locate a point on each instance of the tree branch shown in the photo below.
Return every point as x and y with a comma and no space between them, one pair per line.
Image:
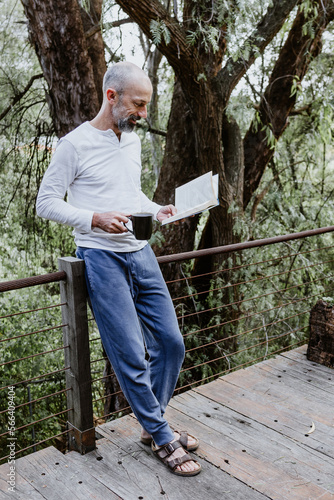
301,111
107,26
151,130
272,22
178,51
278,101
294,112
19,95
260,197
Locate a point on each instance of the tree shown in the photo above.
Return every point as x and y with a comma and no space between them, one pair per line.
206,130
201,135
71,57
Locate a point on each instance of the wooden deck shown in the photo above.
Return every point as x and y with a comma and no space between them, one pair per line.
254,426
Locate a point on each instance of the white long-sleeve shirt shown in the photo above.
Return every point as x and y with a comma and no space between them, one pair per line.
100,174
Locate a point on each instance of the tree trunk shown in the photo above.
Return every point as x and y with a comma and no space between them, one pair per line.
57,33
278,100
179,166
219,231
94,43
73,65
321,343
202,91
192,151
153,62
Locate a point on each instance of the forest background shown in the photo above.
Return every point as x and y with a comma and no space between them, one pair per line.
241,88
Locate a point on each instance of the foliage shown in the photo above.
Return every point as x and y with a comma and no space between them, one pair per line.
159,31
41,321
265,292
30,325
27,143
257,304
271,290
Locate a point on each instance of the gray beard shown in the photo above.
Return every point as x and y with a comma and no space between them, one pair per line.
124,124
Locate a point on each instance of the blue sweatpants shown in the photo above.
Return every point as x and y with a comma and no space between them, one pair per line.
133,309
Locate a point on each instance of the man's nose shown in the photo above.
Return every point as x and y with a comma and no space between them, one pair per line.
142,112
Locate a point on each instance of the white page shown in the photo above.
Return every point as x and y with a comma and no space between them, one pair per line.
195,196
195,193
215,180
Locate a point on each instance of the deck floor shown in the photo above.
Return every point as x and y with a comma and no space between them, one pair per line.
254,426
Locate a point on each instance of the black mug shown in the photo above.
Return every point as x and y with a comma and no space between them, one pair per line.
142,224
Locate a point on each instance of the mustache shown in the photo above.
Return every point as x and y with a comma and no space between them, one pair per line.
133,117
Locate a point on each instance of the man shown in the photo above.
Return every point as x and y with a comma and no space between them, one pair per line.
99,165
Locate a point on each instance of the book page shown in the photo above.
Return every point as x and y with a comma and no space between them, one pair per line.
195,193
215,180
195,196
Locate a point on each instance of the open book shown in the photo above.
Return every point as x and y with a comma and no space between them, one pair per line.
195,196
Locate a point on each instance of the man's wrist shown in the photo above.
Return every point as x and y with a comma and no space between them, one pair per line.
95,220
159,207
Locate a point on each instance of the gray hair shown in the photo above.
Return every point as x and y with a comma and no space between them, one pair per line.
119,75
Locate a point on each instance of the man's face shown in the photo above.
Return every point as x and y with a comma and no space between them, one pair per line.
131,106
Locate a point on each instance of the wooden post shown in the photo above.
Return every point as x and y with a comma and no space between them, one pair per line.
73,291
321,342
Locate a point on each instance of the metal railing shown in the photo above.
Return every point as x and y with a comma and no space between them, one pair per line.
252,313
32,366
254,305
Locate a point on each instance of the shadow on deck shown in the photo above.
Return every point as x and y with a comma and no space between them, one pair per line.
257,442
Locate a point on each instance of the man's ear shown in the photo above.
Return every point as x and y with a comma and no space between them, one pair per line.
111,95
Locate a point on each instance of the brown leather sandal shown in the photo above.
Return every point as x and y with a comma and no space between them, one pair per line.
167,450
183,440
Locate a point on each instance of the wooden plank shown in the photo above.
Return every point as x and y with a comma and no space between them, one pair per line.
212,483
266,460
251,424
241,417
299,355
304,371
302,386
119,469
54,478
298,352
283,388
300,358
23,490
282,410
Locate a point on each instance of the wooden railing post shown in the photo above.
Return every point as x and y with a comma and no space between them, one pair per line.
73,292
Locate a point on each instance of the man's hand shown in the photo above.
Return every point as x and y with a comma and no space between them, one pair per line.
111,222
166,212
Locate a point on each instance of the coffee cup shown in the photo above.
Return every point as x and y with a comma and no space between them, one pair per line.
142,224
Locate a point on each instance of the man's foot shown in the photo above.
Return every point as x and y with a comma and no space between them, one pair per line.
145,437
176,458
189,443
